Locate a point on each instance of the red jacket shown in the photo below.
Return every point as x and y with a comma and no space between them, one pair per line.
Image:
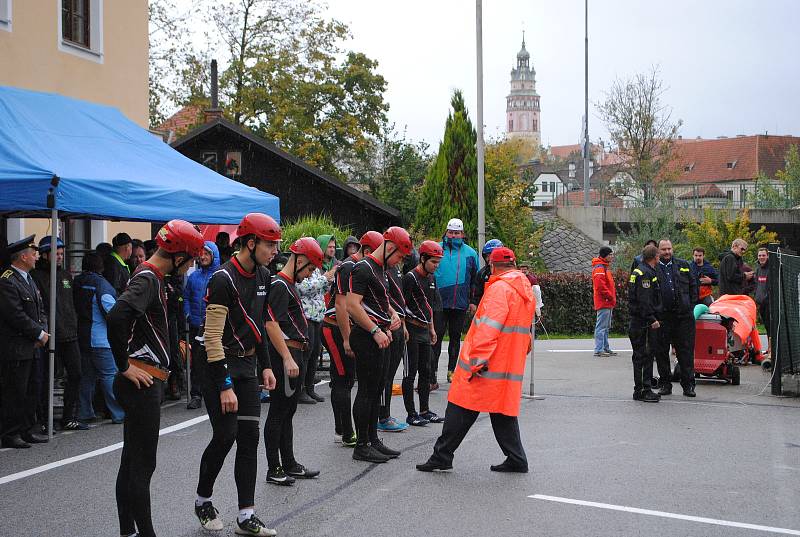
605,291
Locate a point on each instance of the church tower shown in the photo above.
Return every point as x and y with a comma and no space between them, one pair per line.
522,104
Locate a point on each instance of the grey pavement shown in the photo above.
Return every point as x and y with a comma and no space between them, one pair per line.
730,454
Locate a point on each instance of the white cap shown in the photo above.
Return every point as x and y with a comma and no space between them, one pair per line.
455,224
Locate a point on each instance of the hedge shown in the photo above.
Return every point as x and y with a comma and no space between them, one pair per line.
569,304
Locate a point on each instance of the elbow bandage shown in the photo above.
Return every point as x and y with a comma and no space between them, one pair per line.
216,315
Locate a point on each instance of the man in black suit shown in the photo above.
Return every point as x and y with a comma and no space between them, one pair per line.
23,332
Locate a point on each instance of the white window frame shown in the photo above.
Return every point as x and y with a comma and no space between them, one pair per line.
95,52
5,14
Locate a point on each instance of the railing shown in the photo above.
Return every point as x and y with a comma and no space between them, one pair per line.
680,195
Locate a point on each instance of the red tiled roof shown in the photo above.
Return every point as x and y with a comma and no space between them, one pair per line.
564,151
706,161
575,198
704,191
183,120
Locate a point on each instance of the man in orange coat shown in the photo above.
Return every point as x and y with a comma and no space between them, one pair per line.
488,376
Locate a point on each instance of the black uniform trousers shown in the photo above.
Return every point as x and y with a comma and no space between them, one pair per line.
343,372
278,429
397,353
643,341
138,462
417,362
677,330
69,354
314,347
371,364
240,427
457,423
452,322
17,397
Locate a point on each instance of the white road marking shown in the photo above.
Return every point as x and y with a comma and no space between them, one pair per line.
663,514
102,451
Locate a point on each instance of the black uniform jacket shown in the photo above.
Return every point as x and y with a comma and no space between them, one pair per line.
22,316
684,285
644,297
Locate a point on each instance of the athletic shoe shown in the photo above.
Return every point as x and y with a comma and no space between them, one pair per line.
194,403
611,353
314,395
75,425
602,354
391,425
450,376
384,449
301,472
434,467
306,399
431,417
254,526
368,453
277,476
350,442
207,515
337,438
416,420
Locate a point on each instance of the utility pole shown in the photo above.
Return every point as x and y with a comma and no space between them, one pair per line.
480,148
586,108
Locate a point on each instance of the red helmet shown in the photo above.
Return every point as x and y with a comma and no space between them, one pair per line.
371,239
259,224
431,249
310,248
400,238
179,236
502,255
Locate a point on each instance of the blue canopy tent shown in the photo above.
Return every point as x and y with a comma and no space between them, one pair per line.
63,156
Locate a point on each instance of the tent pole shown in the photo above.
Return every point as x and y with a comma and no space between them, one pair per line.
51,316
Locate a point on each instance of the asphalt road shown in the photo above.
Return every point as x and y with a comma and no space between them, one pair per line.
730,455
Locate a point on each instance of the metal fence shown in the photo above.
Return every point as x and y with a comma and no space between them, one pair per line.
681,195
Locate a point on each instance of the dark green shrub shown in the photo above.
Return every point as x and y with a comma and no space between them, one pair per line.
569,303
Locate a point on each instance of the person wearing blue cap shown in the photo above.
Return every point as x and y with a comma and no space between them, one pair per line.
68,352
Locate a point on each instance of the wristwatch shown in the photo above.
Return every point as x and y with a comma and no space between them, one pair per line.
374,329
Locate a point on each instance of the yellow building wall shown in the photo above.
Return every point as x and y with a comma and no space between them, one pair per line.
30,57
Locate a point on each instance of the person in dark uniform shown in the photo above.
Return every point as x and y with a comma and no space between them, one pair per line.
336,338
644,306
484,273
23,332
116,270
396,354
67,350
678,296
288,331
139,339
419,290
374,320
235,359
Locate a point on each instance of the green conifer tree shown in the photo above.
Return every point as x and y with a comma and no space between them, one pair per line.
451,184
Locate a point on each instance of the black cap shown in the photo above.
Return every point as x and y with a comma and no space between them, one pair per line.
121,239
24,244
604,251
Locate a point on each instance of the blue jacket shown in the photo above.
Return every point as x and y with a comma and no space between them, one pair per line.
706,270
90,292
455,275
194,292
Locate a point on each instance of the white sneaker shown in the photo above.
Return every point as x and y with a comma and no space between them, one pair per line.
254,526
207,515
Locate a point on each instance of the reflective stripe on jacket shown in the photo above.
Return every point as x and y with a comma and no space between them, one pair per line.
488,376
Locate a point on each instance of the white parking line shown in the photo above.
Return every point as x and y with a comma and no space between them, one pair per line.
102,451
663,514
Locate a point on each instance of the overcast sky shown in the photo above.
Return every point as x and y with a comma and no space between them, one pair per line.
731,67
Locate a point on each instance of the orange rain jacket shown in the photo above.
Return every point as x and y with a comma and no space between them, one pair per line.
488,377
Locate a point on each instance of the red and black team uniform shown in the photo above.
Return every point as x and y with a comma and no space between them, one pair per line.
242,297
138,334
419,290
343,367
397,349
285,309
368,279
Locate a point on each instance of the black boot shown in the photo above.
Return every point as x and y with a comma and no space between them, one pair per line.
382,448
314,395
666,388
369,454
650,397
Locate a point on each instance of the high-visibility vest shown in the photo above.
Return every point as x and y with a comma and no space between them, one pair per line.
488,376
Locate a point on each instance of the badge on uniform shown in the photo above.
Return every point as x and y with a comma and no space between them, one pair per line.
645,284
